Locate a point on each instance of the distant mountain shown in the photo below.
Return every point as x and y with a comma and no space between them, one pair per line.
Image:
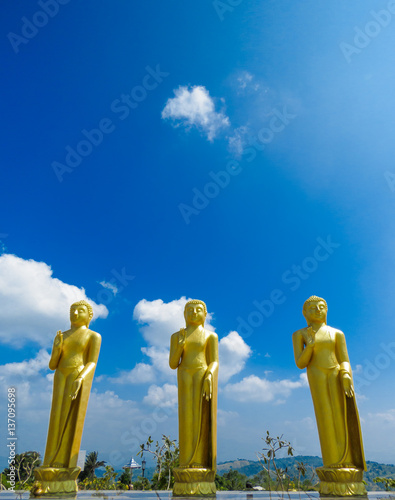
251,468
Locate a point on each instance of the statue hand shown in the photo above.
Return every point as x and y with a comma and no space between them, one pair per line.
347,385
58,342
182,336
310,341
75,387
208,387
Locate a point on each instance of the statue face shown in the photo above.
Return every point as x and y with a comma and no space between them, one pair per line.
79,315
194,314
315,311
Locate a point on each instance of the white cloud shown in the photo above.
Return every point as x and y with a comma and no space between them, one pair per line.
238,140
160,359
244,79
142,373
194,107
260,390
109,286
233,353
247,82
387,417
25,369
165,396
33,304
160,320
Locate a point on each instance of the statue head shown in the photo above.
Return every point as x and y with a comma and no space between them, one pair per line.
315,309
195,312
81,313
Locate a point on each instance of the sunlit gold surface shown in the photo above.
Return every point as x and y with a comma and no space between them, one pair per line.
74,358
322,350
194,353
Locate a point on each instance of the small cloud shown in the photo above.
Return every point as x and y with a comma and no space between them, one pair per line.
237,141
109,286
165,396
247,82
387,417
233,354
142,373
267,355
244,79
194,107
261,390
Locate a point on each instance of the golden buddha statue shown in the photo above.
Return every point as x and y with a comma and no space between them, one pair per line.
74,358
194,353
322,350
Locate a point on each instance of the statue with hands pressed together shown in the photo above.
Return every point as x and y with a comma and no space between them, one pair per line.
322,350
194,353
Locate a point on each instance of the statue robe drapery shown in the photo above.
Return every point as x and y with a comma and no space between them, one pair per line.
78,358
197,360
337,415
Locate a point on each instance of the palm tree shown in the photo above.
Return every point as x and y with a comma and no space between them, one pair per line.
91,464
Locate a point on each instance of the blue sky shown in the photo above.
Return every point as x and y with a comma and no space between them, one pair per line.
239,152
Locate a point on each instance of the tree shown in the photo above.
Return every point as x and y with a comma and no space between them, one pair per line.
24,464
232,480
91,464
388,482
267,458
167,457
107,482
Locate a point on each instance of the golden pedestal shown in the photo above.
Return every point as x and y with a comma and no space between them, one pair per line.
341,482
51,481
194,481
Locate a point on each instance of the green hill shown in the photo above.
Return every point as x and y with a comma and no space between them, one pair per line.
250,468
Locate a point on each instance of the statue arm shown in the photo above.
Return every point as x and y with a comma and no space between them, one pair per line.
93,356
57,349
212,366
177,343
90,365
345,367
302,351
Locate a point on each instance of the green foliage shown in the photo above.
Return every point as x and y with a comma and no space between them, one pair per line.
142,483
166,455
231,481
267,460
107,482
24,464
125,477
387,481
91,464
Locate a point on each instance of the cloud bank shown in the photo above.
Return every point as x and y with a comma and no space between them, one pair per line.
34,304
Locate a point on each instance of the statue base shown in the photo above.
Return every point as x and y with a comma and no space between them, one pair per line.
341,482
51,481
194,482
